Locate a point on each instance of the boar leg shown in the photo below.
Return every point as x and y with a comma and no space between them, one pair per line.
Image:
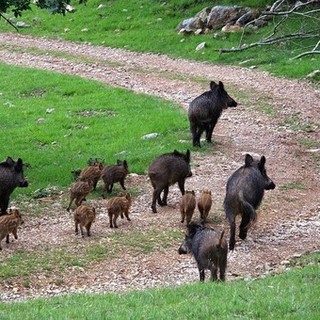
81,230
126,213
213,270
222,267
4,204
76,228
165,196
110,220
88,229
115,221
232,240
181,186
122,184
245,221
201,273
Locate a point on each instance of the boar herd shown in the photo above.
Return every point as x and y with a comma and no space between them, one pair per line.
244,191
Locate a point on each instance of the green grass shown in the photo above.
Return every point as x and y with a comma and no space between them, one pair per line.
58,122
291,295
150,26
84,254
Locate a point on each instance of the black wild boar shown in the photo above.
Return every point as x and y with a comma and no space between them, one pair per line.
84,216
11,176
209,248
204,204
165,171
244,193
9,223
205,110
113,174
187,206
78,192
92,173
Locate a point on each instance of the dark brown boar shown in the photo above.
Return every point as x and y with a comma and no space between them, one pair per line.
204,204
92,173
205,110
187,206
118,206
11,176
9,223
84,216
244,193
78,192
209,248
165,171
113,174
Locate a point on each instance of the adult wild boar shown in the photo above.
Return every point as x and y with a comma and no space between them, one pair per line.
165,171
209,248
205,110
244,193
11,176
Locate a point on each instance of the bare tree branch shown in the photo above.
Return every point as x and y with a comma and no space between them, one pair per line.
7,20
313,51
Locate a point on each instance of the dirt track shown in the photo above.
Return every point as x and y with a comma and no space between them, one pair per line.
289,218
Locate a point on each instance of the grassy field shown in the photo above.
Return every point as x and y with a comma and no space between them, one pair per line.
290,295
150,26
59,122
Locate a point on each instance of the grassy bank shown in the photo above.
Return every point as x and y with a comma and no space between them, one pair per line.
291,295
150,26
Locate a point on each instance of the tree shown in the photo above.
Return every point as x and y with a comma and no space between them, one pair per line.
18,6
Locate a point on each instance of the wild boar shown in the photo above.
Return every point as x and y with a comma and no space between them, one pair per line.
113,174
205,110
165,171
92,173
118,206
209,248
84,216
78,192
244,193
9,223
187,206
204,204
11,176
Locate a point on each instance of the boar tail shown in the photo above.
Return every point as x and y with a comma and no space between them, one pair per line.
247,211
220,240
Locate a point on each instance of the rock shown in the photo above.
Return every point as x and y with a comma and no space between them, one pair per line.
21,24
200,46
150,136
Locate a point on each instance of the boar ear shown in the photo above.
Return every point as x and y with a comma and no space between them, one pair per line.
188,156
19,165
221,86
125,164
248,160
9,162
212,85
262,162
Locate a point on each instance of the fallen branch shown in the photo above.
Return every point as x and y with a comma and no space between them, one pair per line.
269,41
7,20
313,51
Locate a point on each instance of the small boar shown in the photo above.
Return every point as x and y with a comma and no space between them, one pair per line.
244,193
118,206
187,206
84,216
113,174
204,204
165,171
9,223
205,110
11,176
92,173
78,192
209,248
